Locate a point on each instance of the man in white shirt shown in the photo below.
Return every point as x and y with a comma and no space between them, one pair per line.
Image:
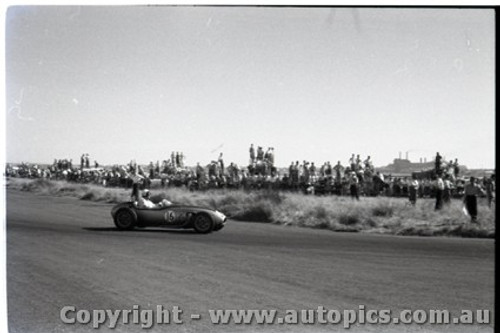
354,183
352,162
471,191
413,190
439,188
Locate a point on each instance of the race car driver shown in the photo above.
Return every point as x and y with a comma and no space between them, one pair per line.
144,201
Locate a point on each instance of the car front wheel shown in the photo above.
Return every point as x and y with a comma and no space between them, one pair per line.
203,223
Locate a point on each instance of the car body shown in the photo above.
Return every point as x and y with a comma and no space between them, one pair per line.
127,216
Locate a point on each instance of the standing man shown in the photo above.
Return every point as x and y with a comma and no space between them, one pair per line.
271,156
295,178
266,154
368,164
172,159
136,183
181,159
471,191
447,189
151,170
252,154
221,164
290,170
178,159
413,190
328,169
489,185
199,172
358,163
312,170
305,172
456,168
338,172
354,182
439,188
437,163
352,162
260,153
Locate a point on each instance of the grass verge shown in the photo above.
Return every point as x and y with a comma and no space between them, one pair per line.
376,215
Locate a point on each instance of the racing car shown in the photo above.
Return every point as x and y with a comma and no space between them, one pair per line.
128,215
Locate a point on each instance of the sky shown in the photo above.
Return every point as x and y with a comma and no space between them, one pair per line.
316,84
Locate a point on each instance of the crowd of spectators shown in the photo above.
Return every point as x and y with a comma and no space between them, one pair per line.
357,178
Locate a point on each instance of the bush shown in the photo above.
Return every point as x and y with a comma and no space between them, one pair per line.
383,211
254,214
348,219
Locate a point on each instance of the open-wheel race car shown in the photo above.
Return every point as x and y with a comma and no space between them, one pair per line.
127,216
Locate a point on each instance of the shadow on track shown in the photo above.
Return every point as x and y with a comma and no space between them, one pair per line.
111,229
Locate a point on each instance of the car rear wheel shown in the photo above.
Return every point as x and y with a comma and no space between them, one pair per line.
125,220
203,223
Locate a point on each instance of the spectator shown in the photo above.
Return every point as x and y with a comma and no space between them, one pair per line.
352,162
328,169
471,191
178,159
447,190
305,172
260,153
489,185
354,183
252,154
437,163
221,164
413,190
181,159
199,172
134,196
312,170
271,156
290,168
135,176
295,175
358,163
368,164
151,170
172,159
439,188
266,154
456,168
338,171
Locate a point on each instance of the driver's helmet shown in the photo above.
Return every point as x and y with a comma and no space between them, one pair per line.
145,194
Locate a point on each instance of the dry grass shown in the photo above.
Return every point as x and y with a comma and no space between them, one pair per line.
378,215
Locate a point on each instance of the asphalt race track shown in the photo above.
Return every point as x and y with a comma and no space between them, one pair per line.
66,252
